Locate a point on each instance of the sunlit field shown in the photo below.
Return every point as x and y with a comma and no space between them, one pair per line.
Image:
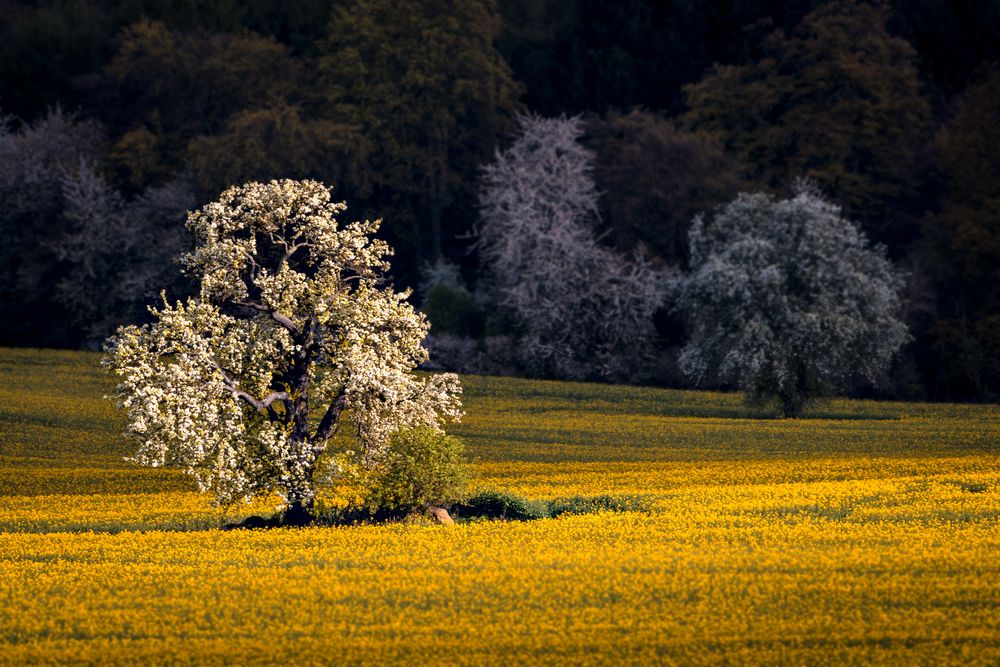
867,532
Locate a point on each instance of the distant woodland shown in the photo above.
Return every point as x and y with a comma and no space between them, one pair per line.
120,116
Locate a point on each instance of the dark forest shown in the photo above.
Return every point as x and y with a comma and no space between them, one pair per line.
118,117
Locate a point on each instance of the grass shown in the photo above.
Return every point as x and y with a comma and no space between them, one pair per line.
867,532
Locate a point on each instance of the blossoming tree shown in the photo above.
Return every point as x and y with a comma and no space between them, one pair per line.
787,299
293,329
583,310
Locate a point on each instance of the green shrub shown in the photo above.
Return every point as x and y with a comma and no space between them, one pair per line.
974,487
502,506
508,507
585,505
492,505
424,467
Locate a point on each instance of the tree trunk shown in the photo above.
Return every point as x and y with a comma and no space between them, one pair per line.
435,206
793,399
300,497
791,405
299,513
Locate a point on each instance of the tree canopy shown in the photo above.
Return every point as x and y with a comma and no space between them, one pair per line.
654,178
838,101
402,105
964,244
171,90
430,96
292,320
786,298
583,311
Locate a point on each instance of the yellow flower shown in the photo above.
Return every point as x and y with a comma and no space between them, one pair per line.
867,533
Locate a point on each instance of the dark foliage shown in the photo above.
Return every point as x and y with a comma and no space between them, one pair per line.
500,506
453,311
655,178
495,505
888,105
590,505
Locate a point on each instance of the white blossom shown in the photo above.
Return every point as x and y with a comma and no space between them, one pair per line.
583,310
292,331
61,217
117,255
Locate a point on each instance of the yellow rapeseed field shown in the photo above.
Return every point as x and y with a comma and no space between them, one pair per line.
868,532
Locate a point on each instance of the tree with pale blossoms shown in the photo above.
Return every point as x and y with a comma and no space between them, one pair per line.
293,333
582,309
66,231
787,299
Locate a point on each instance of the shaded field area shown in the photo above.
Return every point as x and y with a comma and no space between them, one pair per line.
865,532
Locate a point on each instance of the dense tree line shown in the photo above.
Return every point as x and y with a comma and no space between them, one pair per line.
132,112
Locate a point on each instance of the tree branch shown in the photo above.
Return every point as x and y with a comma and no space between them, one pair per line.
328,423
262,404
283,320
291,250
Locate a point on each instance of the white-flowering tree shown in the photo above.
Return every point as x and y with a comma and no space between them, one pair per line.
34,158
292,330
127,248
66,231
787,299
583,310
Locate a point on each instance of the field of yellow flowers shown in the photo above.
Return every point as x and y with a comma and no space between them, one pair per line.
867,532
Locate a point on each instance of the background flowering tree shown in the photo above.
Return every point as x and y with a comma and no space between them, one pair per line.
786,298
582,309
245,384
66,228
